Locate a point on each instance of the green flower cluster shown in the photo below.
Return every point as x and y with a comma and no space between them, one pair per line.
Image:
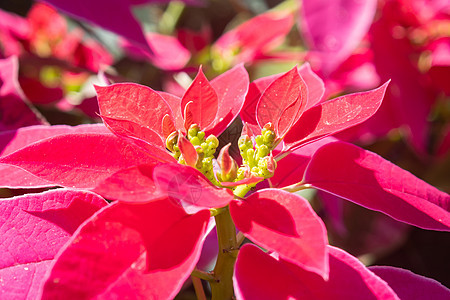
205,149
257,158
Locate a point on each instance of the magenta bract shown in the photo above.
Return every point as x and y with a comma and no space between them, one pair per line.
259,275
373,182
33,228
16,112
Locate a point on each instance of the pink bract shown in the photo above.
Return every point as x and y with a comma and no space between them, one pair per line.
33,229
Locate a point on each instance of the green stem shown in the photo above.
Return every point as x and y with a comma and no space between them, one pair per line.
242,190
222,287
198,287
202,275
296,187
171,16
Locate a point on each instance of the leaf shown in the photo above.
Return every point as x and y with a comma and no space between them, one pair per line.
125,128
168,53
135,103
282,102
133,185
15,110
290,169
408,285
174,103
231,88
255,90
334,29
188,152
285,223
106,14
33,228
260,33
189,188
333,116
259,275
12,140
409,102
316,87
369,180
129,251
78,160
204,101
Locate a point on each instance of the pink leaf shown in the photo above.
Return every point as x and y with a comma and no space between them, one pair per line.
373,182
32,230
409,100
282,102
15,110
259,275
77,160
408,285
188,187
334,29
123,251
135,103
106,14
333,116
168,52
231,88
285,223
259,34
204,101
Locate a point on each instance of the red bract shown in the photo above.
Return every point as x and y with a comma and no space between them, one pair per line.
104,160
12,140
212,106
299,118
284,223
140,251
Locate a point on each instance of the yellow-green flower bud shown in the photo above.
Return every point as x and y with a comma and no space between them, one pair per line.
262,151
212,141
201,135
269,137
195,141
171,141
193,130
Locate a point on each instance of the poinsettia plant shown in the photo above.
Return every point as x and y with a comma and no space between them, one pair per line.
156,159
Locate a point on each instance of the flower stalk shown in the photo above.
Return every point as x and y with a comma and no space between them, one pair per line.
222,287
